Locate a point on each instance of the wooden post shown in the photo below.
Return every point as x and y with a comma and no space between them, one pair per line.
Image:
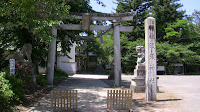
117,53
51,58
150,59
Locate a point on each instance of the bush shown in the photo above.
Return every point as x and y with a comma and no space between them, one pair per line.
41,80
24,72
17,86
60,74
6,93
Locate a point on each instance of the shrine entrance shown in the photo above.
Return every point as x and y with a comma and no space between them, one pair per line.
116,27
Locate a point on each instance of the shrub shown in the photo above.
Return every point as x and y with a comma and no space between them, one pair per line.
17,86
41,80
60,74
24,72
6,93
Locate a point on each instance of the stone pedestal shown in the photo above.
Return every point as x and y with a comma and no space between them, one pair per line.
138,80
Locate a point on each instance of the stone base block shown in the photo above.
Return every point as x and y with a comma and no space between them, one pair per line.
140,89
137,89
138,81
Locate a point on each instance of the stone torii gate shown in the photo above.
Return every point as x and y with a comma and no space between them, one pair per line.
86,18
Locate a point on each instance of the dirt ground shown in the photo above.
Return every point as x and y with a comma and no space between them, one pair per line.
166,102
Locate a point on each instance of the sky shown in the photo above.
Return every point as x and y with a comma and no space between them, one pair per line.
188,5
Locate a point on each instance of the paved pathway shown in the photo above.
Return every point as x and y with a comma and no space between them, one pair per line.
92,93
188,87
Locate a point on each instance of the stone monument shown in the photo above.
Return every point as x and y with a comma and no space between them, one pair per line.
151,59
138,80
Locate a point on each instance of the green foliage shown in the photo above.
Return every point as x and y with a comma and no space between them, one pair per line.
37,16
195,18
165,12
129,55
107,48
30,21
128,51
86,47
177,38
180,30
4,63
41,80
59,74
176,53
24,72
6,93
17,86
142,7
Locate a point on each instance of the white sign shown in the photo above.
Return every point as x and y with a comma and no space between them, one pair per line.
12,66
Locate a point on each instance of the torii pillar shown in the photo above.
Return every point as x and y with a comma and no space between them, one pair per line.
51,58
117,53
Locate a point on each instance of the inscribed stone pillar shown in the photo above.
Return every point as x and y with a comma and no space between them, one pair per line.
51,58
150,59
117,54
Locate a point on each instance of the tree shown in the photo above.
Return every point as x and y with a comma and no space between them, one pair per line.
31,21
196,20
177,53
128,51
141,7
165,12
180,31
107,48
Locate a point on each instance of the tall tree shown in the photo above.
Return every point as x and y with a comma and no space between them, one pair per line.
30,21
180,31
141,7
165,12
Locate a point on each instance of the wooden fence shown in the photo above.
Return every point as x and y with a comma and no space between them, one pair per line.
64,99
119,100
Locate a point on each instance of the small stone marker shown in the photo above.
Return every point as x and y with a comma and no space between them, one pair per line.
12,66
150,59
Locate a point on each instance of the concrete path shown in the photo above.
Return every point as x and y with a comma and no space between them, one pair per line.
92,93
188,87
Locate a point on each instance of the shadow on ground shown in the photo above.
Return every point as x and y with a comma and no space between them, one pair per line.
92,96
